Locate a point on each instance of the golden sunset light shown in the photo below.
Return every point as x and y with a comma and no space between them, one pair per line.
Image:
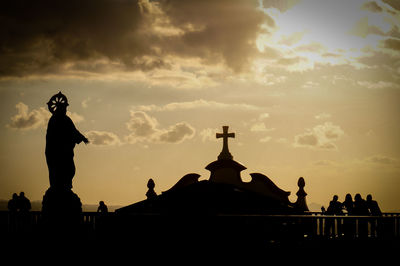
310,88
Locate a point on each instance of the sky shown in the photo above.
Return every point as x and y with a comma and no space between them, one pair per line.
311,89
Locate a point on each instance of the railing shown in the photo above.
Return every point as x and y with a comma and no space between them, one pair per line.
333,226
312,224
336,226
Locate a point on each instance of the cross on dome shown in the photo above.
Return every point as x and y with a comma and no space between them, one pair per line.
225,154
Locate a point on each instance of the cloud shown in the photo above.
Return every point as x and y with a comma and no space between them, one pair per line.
219,29
292,38
260,127
141,125
281,140
376,85
26,120
265,139
393,3
263,116
177,133
322,116
325,163
379,59
313,47
49,35
306,139
392,43
85,102
320,137
286,61
363,28
318,37
102,138
146,128
279,4
106,35
372,6
310,84
196,104
76,118
208,134
381,159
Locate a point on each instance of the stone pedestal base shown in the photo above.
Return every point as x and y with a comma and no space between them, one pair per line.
61,208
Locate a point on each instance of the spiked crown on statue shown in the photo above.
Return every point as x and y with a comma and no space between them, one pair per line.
56,102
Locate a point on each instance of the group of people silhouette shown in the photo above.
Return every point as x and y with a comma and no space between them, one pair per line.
358,207
19,203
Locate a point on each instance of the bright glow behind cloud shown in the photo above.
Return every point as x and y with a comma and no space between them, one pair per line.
326,32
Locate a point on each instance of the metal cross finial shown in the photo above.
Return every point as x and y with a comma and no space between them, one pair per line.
225,154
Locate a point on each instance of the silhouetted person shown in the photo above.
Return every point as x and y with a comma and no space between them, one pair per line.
61,138
374,210
373,207
24,204
13,208
349,225
102,207
361,209
348,204
360,206
334,208
150,194
13,203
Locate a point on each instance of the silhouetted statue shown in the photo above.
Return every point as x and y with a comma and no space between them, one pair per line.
150,194
61,138
301,203
60,204
13,203
102,207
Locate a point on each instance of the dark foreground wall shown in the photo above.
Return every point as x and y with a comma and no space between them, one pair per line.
212,233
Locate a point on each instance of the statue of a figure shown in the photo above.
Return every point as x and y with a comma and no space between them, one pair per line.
61,138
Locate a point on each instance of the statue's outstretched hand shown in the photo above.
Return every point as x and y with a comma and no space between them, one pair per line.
85,140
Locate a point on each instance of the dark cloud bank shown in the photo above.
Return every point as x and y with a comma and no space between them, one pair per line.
101,36
45,36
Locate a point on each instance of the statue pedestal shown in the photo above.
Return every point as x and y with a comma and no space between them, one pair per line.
61,208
